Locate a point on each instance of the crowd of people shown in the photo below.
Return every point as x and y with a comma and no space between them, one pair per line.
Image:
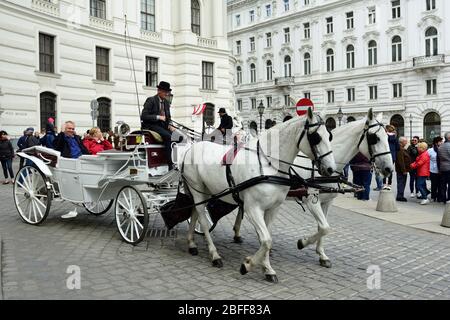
67,142
416,160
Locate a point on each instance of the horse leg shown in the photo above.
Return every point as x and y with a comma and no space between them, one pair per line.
323,258
261,257
237,228
215,257
191,242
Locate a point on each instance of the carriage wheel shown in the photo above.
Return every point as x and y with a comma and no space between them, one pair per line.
131,215
98,208
31,195
198,227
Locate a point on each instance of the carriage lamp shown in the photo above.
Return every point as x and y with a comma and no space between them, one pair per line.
261,109
410,126
340,115
122,129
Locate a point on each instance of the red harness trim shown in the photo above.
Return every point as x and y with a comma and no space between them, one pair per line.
231,154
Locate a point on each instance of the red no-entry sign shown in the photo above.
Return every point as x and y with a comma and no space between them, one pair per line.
303,105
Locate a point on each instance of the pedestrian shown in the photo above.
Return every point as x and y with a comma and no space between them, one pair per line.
96,143
6,157
413,153
48,139
422,165
362,175
21,146
444,168
435,177
402,167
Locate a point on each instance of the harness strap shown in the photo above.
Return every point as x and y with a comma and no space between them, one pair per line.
232,185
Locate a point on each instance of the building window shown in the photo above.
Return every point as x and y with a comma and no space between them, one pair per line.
252,73
396,9
239,105
148,15
399,123
431,5
307,63
397,90
287,100
350,119
268,39
269,101
307,95
373,92
431,126
330,96
102,64
431,42
253,100
252,44
396,49
48,108
350,94
238,47
104,114
253,128
239,75
350,56
307,28
306,2
372,53
252,15
431,87
46,53
195,17
286,5
151,73
330,60
207,75
329,25
287,35
372,15
269,70
287,66
98,8
350,20
268,10
238,20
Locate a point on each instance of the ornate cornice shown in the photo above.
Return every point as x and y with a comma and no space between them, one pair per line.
286,50
267,56
429,20
395,30
305,48
371,34
328,43
349,40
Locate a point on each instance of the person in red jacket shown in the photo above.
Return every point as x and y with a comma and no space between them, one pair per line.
95,142
422,165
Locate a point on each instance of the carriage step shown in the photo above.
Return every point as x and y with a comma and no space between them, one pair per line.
162,233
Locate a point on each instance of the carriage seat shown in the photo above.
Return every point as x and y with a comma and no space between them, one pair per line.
49,156
151,137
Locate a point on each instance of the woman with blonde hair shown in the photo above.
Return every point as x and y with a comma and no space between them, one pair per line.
95,142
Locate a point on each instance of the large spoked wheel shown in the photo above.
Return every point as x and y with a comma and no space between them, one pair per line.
31,195
198,227
131,215
98,208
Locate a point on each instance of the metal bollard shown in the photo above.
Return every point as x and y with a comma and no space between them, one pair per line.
446,218
386,202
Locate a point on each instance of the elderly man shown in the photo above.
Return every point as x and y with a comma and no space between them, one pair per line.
156,117
444,168
402,167
68,143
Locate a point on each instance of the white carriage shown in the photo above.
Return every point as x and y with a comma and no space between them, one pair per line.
136,180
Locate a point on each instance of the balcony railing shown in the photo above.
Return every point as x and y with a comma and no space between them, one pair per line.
284,81
207,43
100,23
49,7
429,62
150,35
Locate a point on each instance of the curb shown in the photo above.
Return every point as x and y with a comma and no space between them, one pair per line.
1,268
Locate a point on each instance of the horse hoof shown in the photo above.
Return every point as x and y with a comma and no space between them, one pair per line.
217,263
243,269
272,278
237,240
193,251
325,263
300,245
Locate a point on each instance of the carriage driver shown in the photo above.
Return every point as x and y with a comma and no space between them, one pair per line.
156,117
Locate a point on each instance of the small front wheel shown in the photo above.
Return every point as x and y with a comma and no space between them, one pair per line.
131,215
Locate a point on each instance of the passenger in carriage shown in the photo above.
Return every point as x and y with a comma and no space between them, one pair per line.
156,117
68,143
95,142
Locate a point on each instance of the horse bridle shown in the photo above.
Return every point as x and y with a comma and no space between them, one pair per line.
372,139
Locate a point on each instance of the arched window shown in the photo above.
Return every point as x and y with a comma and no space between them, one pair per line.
330,60
431,42
396,49
330,124
350,119
399,123
350,56
195,17
287,66
269,70
253,128
104,114
268,124
307,63
239,75
48,108
373,53
252,73
431,126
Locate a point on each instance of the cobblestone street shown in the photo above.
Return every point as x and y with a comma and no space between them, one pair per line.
413,263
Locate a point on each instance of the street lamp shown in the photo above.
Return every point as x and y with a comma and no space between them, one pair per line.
261,109
410,126
340,115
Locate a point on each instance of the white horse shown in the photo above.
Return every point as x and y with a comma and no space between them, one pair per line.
348,140
205,175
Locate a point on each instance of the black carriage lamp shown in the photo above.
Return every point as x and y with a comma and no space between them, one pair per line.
340,115
410,126
261,109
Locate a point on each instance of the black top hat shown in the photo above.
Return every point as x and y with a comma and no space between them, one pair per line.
164,86
222,110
